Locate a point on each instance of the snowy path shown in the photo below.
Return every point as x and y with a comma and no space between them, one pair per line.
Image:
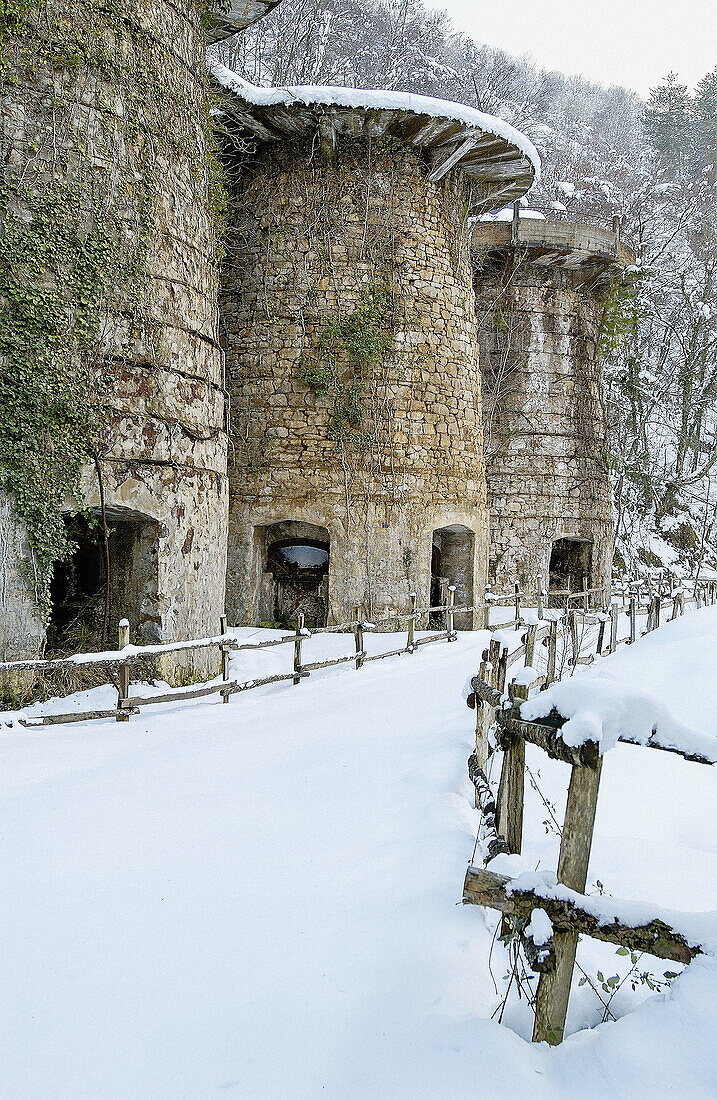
260,900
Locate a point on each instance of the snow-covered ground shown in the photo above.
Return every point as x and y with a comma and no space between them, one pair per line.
262,899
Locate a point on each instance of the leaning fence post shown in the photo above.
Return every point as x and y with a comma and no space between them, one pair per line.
123,688
225,656
358,636
411,622
449,612
600,637
540,596
297,648
551,1002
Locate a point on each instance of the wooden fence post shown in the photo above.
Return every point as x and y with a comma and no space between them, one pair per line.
494,661
449,612
297,647
551,1002
502,668
540,596
517,603
658,610
614,612
225,657
358,636
552,652
485,614
574,639
600,637
511,791
633,619
530,644
484,712
411,622
123,672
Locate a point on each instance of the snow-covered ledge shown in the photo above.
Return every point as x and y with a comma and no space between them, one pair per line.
504,162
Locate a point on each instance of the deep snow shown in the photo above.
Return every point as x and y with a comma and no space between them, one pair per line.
262,899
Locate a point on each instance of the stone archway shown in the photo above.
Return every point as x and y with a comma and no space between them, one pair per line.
80,588
452,562
570,564
295,559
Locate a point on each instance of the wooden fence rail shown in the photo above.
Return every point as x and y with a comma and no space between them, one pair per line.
547,633
570,911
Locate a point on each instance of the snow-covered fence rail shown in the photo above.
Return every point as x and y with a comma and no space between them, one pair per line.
569,910
549,633
127,656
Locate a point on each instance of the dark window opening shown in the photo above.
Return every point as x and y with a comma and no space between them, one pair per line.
570,565
452,562
297,567
84,605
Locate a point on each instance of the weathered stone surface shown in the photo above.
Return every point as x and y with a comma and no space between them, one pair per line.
164,456
308,242
543,416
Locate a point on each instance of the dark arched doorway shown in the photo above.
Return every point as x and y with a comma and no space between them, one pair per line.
452,558
86,604
570,565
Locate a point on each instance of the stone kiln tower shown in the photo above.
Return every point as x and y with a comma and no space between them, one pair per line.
356,456
540,291
109,288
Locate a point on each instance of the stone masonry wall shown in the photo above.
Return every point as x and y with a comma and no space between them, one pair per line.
545,430
376,438
115,114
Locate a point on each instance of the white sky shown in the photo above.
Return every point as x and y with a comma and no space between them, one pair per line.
629,42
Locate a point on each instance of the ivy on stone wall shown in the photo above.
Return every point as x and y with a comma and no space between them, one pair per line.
102,119
341,364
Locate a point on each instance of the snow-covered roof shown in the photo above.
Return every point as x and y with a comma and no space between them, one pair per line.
228,18
488,149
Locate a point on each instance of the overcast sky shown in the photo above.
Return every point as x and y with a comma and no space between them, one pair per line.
629,42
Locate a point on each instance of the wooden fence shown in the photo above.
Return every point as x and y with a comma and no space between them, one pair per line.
571,912
126,657
121,661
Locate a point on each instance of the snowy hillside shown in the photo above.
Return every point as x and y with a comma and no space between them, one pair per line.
263,899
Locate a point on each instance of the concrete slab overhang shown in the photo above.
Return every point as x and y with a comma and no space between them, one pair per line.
570,245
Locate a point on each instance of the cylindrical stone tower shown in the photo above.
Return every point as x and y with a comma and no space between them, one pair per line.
112,396
356,454
540,289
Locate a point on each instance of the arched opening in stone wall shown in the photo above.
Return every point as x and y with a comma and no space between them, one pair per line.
570,564
84,605
452,562
295,578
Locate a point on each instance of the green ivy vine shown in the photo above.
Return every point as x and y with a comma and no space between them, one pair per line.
78,210
341,364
